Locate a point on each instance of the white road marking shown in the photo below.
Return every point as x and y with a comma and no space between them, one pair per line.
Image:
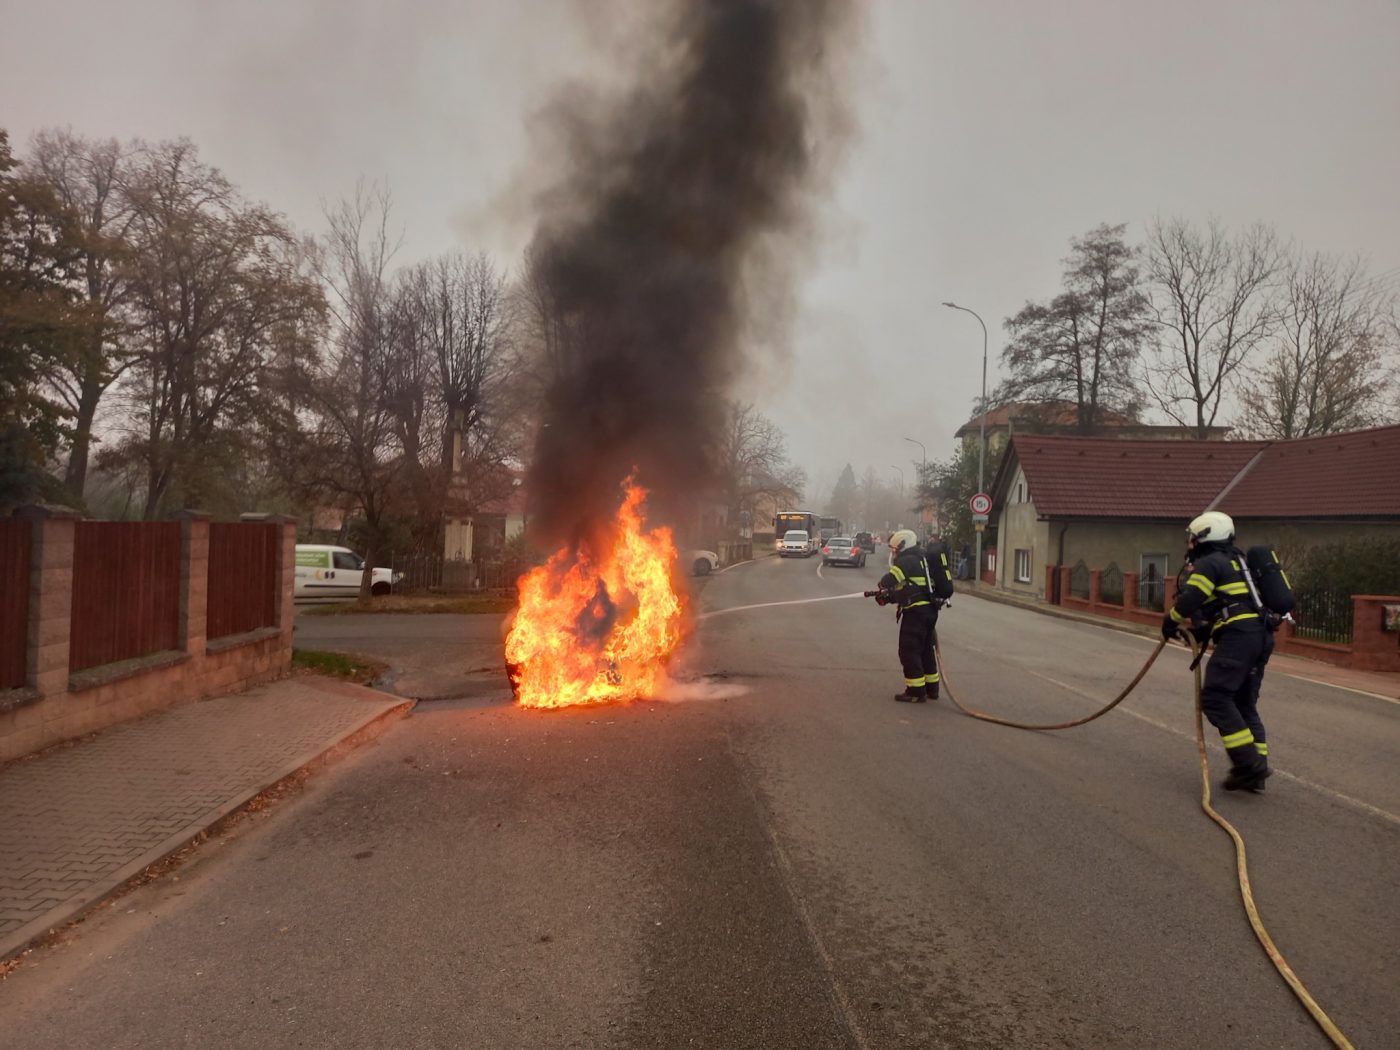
1336,796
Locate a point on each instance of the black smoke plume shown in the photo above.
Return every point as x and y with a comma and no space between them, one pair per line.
656,243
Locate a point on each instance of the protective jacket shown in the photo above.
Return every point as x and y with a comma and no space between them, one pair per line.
1219,589
908,581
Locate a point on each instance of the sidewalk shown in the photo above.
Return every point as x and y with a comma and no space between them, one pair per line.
1377,683
78,820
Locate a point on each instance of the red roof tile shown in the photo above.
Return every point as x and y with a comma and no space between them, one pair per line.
1356,474
1341,475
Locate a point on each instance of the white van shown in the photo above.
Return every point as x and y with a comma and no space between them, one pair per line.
333,574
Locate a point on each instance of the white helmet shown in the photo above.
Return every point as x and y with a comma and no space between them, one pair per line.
1211,527
903,540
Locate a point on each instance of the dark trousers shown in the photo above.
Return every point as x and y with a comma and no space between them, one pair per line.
918,634
1230,694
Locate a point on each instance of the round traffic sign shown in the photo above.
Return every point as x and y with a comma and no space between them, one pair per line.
981,503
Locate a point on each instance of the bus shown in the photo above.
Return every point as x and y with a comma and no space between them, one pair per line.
829,527
787,520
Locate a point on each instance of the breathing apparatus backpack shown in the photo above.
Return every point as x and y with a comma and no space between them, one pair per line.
1275,592
940,579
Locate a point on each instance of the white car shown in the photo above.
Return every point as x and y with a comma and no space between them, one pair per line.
701,563
325,573
796,544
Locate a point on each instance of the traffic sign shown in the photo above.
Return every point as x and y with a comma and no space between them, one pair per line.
981,503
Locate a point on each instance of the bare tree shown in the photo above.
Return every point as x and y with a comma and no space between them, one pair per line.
214,285
1085,343
353,436
1331,365
751,461
88,177
1211,302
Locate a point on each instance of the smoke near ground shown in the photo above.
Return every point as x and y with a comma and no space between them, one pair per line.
663,248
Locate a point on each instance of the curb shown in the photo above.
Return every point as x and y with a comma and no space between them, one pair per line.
1126,627
76,907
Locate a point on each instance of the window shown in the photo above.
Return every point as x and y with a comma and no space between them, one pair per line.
1020,492
1023,566
348,561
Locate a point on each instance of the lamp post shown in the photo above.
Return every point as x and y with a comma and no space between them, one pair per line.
982,440
923,471
901,479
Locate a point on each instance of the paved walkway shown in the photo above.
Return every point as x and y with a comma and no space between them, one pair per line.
78,821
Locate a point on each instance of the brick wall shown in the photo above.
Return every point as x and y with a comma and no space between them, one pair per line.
57,703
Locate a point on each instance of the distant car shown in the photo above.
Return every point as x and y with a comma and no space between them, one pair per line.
842,550
702,563
327,573
865,541
796,544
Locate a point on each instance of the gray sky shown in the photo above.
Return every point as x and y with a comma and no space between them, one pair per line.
989,134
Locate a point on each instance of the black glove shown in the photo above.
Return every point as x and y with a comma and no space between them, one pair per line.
1170,627
882,598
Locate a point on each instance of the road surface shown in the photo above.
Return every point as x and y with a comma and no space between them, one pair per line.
777,856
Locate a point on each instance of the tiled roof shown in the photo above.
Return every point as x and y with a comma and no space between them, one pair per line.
1342,475
1356,474
1115,478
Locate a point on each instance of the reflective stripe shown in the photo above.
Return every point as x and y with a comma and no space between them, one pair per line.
1232,619
1263,747
1234,588
944,558
897,573
921,601
1176,615
1240,739
920,580
931,679
1201,584
913,683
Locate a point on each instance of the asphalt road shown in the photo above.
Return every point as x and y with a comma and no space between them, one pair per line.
778,856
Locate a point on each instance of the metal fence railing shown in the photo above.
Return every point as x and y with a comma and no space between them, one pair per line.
1079,581
1323,615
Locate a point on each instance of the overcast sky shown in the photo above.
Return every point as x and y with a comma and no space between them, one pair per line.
989,134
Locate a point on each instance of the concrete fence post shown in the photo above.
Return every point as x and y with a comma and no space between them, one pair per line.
50,596
194,581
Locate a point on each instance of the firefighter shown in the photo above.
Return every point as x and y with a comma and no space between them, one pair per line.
1221,594
910,583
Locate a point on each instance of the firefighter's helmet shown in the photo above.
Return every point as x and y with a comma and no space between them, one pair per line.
903,540
1211,527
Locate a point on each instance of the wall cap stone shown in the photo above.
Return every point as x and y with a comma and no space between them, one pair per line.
92,677
50,511
233,641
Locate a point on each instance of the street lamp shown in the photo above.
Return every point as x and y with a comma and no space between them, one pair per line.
923,471
982,440
901,480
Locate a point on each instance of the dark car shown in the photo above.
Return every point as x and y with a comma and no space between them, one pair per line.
842,550
865,541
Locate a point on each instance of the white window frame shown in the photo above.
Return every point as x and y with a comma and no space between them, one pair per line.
1028,560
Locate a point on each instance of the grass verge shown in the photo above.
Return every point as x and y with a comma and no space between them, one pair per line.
396,603
358,669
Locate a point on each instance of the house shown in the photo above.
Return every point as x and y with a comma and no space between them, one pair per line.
1062,417
1122,505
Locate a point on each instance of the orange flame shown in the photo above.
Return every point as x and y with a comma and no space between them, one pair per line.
588,633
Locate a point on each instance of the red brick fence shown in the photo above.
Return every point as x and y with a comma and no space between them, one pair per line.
101,621
1373,647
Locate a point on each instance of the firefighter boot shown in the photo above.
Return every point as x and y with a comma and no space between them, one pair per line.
1247,778
911,695
932,689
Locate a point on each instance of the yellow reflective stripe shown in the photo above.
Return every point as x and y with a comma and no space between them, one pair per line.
920,580
944,558
1244,736
1239,616
913,683
921,601
1201,584
897,573
1286,579
1176,615
931,679
1263,747
1234,588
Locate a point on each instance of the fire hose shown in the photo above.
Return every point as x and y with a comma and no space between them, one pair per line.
1241,869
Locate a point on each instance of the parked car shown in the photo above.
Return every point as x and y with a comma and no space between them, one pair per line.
842,550
865,541
796,544
701,563
326,573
